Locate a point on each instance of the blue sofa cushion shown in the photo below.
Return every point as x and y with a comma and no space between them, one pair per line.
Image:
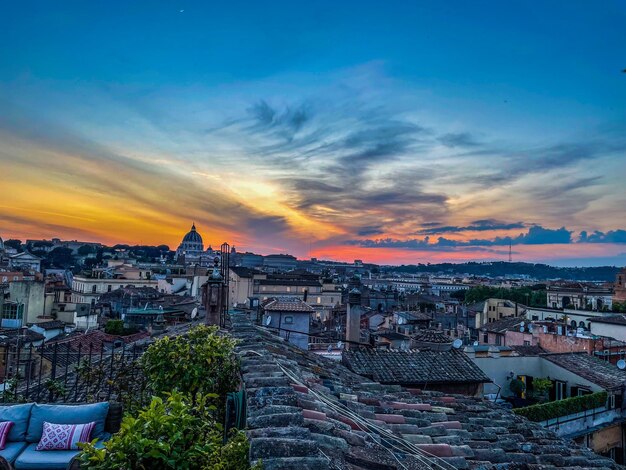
67,414
32,459
12,450
20,415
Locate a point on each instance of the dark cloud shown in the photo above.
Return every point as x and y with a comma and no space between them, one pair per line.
536,235
369,231
612,236
475,226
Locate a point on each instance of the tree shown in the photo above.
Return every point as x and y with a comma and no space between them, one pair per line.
61,257
541,387
85,250
15,244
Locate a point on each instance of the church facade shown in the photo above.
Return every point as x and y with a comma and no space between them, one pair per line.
191,250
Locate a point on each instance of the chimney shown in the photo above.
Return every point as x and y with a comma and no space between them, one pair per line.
353,318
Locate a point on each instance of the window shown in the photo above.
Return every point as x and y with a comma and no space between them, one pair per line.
109,287
526,343
319,300
288,320
93,288
498,340
288,289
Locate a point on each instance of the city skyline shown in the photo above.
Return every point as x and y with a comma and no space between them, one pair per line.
396,135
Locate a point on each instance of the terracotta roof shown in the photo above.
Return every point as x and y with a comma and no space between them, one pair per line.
23,335
528,350
287,304
505,324
308,412
414,368
612,319
432,336
597,371
51,325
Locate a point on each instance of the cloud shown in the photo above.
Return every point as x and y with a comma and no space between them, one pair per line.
536,235
612,236
476,226
460,139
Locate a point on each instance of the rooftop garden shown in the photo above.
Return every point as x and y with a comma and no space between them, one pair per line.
179,427
568,406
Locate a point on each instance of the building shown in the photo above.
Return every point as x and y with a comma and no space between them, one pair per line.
25,260
191,246
242,284
509,331
31,295
579,296
611,326
88,289
572,375
291,317
191,250
279,263
497,309
619,287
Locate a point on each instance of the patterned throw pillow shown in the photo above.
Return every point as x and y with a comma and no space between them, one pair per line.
5,429
64,436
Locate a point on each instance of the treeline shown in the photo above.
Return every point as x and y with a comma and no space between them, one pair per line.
530,296
501,268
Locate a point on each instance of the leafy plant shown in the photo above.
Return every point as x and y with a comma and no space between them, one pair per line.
568,406
541,387
171,433
517,387
114,327
202,362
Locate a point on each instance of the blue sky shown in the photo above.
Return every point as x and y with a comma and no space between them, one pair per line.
334,128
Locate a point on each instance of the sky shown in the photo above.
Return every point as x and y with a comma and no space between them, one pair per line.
394,132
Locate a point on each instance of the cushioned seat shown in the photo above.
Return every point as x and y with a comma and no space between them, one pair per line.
67,414
31,459
12,450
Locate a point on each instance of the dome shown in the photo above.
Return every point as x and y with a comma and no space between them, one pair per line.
192,236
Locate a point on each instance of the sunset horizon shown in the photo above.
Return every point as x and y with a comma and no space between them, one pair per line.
400,135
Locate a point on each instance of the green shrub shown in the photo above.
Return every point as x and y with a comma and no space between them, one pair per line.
202,362
556,409
517,387
169,434
114,327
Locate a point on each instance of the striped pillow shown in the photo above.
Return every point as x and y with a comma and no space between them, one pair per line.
64,436
5,429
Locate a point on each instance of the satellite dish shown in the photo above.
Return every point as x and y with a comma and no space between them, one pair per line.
401,320
522,324
457,343
530,328
521,328
475,343
268,320
329,348
621,364
194,313
339,344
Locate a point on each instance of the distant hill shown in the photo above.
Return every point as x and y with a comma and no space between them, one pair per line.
501,268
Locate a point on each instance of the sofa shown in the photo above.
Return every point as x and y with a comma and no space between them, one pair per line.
20,451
